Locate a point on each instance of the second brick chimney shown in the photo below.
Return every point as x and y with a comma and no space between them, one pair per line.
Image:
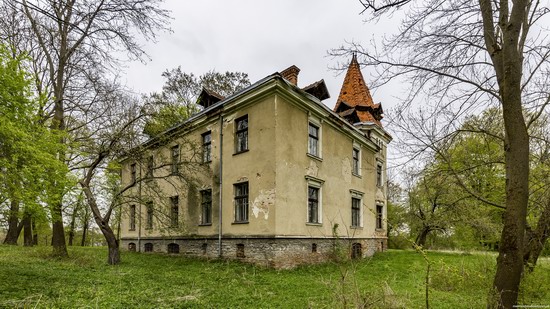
291,74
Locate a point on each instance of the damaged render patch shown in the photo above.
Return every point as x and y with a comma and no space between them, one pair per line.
312,169
263,202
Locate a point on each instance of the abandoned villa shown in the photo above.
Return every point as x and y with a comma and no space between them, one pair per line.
268,175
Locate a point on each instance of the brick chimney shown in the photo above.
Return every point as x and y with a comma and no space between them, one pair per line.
291,74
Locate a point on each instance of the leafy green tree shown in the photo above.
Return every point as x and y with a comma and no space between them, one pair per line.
27,150
178,99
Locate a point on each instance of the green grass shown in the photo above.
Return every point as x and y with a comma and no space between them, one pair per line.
30,278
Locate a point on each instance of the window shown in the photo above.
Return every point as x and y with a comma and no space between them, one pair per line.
379,216
313,248
313,141
132,217
206,206
204,248
355,212
133,173
150,166
356,251
173,248
313,205
379,174
174,211
241,134
240,250
207,147
356,161
175,152
132,247
149,219
148,247
241,202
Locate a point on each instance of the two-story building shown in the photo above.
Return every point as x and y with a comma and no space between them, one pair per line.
269,174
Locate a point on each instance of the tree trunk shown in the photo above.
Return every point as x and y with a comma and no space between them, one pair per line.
35,233
421,238
510,259
85,227
112,244
13,224
537,239
58,232
27,230
72,225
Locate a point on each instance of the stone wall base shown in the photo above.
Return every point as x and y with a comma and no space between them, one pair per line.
271,252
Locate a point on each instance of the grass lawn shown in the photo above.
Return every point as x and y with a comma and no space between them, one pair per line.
30,278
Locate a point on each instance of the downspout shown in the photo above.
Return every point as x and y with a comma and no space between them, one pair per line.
221,190
139,210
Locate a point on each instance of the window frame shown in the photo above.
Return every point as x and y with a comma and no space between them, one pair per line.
206,147
241,202
241,134
356,160
206,207
316,201
150,215
379,174
175,155
356,213
379,217
133,171
132,218
314,138
174,211
314,183
150,167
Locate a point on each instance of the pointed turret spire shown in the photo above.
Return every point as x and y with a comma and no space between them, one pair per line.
355,101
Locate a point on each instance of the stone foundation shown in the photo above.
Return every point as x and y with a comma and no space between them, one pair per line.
271,252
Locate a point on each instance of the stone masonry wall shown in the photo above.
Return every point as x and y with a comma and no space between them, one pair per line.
270,252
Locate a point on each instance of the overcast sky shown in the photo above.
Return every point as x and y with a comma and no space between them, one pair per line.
258,38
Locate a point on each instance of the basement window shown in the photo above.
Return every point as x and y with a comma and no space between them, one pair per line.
173,248
313,248
132,247
148,247
240,250
356,251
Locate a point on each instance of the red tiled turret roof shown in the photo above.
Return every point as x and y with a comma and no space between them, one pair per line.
355,95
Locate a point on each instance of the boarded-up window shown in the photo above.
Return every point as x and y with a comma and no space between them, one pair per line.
132,247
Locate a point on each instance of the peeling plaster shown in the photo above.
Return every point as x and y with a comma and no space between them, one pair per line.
228,120
263,202
346,170
312,169
242,179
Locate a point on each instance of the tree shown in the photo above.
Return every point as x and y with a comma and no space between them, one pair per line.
27,150
464,55
178,99
72,44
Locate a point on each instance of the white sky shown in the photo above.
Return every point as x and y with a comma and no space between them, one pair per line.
258,38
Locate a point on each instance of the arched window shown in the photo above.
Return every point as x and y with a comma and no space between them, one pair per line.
148,247
356,251
132,247
173,248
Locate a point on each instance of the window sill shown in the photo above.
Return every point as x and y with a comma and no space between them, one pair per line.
205,224
380,230
131,230
356,227
315,157
240,222
314,224
238,153
356,175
